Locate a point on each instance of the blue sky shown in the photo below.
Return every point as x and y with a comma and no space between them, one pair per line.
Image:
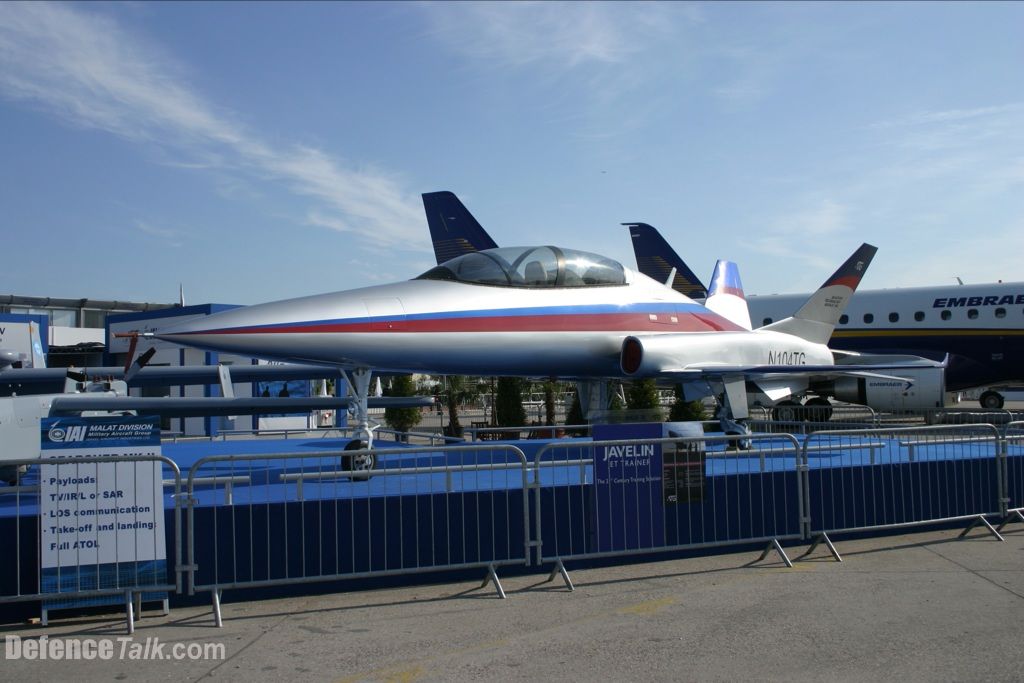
264,151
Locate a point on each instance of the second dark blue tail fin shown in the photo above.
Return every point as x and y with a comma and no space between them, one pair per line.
656,259
453,230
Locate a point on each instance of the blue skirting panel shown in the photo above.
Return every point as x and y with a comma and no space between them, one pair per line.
853,497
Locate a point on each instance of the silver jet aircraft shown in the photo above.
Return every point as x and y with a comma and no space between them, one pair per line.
539,312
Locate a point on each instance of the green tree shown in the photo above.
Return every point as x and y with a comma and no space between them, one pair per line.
508,408
549,401
686,411
575,416
642,395
457,391
402,419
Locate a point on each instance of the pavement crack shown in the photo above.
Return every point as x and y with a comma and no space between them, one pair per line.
245,647
972,571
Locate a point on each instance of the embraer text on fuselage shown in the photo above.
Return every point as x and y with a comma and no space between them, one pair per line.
992,300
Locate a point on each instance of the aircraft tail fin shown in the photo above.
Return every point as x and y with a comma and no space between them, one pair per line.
453,229
656,259
725,295
818,316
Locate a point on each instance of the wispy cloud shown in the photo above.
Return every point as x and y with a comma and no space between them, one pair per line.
939,131
559,34
596,62
951,115
803,236
86,69
961,157
170,237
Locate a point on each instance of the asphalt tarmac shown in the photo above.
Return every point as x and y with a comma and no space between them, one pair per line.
919,606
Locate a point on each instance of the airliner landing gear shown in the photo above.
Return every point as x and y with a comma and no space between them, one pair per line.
814,409
786,411
817,409
991,400
359,386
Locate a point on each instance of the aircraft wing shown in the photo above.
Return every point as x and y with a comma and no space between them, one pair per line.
26,378
774,372
190,407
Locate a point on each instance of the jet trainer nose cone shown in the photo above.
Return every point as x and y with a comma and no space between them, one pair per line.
221,331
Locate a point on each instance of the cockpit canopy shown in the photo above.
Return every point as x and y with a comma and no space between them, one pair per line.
530,267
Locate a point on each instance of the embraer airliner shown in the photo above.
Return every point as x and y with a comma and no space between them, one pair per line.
981,327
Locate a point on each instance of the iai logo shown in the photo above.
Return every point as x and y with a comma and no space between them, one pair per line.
59,434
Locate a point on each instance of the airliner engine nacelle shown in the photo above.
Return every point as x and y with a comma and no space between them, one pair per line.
927,392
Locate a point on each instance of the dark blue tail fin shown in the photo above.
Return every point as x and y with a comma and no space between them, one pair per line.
656,259
453,230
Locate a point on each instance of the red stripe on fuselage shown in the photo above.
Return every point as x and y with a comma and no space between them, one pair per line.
598,322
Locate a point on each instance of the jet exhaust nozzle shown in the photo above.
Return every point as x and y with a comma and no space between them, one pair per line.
632,355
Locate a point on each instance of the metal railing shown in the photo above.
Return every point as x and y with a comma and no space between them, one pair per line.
477,433
807,419
57,584
1013,473
263,520
920,475
705,493
310,518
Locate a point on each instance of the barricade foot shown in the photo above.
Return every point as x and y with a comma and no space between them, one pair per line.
980,519
492,576
777,547
559,568
822,537
1014,515
215,597
129,611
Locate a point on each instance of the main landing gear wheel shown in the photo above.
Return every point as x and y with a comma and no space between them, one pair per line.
361,464
817,409
787,411
991,400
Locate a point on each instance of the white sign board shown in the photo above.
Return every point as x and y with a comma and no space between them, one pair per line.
100,513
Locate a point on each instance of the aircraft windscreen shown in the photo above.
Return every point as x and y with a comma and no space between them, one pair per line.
530,267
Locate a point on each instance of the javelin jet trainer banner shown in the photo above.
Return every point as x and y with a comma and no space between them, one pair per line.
636,485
